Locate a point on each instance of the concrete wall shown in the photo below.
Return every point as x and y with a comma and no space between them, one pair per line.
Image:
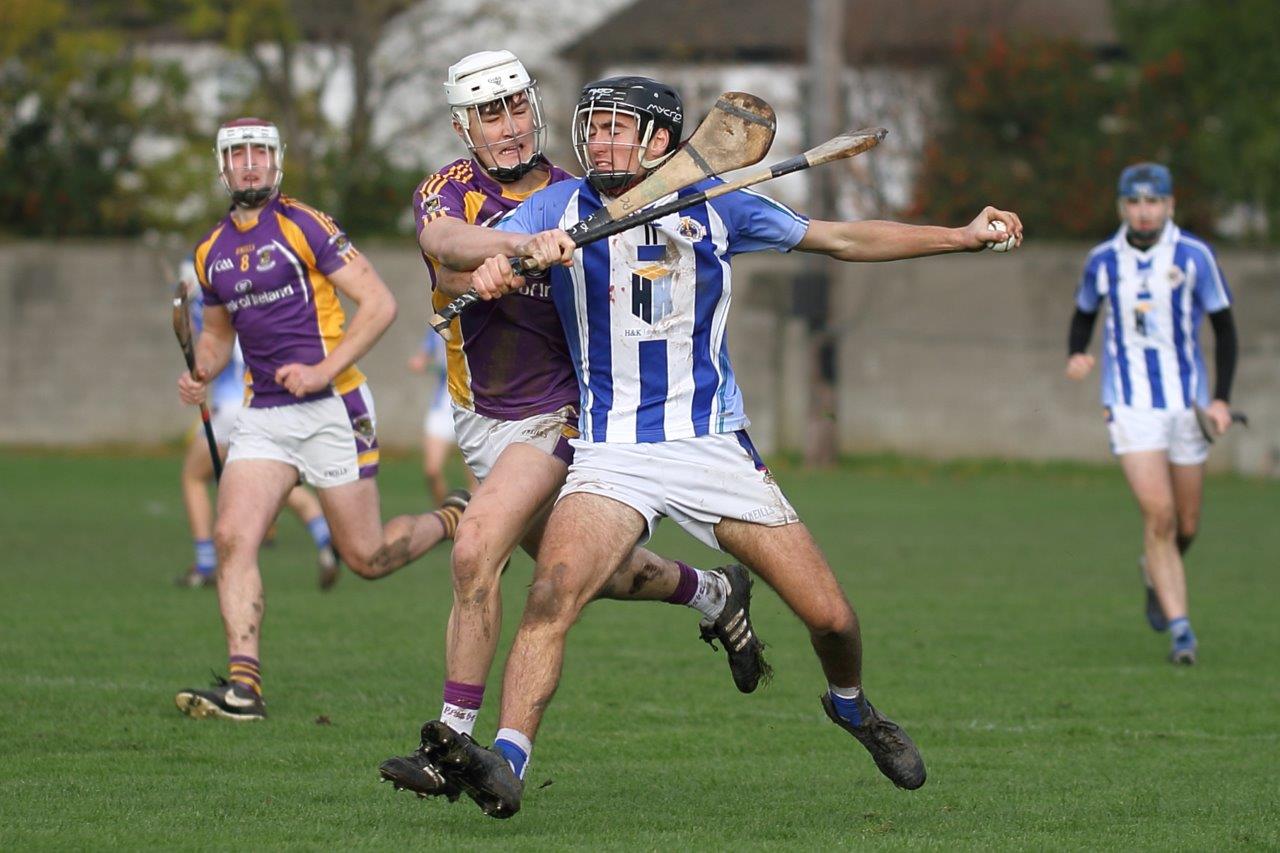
952,356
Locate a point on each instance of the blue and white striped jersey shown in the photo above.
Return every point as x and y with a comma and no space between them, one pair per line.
645,312
1156,300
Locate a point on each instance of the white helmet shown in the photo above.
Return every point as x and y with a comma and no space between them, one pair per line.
251,133
488,77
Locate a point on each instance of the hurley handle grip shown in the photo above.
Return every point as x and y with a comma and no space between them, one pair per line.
595,227
441,320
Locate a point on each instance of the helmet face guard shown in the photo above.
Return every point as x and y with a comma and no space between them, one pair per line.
257,140
495,85
651,104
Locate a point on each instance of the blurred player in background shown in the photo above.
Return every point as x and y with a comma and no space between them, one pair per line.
515,402
437,424
226,399
271,272
1158,282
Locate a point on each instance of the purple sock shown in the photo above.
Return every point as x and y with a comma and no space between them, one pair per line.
687,586
461,705
464,695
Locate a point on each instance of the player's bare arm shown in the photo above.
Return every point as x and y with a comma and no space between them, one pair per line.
464,247
877,240
213,351
375,311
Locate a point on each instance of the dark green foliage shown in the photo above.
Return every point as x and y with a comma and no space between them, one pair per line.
1044,127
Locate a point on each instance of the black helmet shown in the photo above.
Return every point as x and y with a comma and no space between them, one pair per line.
653,104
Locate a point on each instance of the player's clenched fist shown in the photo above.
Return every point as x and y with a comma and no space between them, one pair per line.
495,278
1079,365
548,248
193,391
301,379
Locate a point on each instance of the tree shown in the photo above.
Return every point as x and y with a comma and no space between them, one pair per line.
296,50
76,100
1044,127
1229,56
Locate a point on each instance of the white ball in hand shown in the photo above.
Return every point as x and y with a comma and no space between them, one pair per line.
1006,245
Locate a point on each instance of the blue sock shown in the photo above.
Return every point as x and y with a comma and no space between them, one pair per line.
1180,629
514,747
319,529
206,557
849,703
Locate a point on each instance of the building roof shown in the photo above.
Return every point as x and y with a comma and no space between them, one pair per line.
893,31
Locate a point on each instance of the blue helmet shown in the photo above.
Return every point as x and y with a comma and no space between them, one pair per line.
1151,179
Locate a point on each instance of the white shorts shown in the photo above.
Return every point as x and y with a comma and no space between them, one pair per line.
1172,430
223,418
483,439
438,421
331,441
697,482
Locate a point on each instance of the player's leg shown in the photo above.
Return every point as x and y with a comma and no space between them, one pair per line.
374,550
1150,480
435,451
587,538
303,503
520,484
249,496
1188,496
790,561
340,459
197,471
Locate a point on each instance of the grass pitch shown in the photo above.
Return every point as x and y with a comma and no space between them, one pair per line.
1002,617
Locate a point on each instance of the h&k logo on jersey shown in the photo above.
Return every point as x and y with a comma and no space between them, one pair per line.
244,285
651,293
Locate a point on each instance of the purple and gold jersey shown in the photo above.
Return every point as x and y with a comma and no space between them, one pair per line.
272,277
508,358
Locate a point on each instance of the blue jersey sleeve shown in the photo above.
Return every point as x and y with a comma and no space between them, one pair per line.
1087,298
1211,289
528,217
757,223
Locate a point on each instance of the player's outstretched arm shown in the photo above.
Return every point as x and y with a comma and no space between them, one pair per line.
878,240
375,311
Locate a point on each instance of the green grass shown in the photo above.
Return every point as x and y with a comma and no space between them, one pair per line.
1002,622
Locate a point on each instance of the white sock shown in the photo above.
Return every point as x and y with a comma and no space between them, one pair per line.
515,747
713,589
461,720
844,692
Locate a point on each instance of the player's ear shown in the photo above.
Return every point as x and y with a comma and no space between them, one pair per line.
658,143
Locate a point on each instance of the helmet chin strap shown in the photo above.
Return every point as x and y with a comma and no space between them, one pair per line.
251,197
506,175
